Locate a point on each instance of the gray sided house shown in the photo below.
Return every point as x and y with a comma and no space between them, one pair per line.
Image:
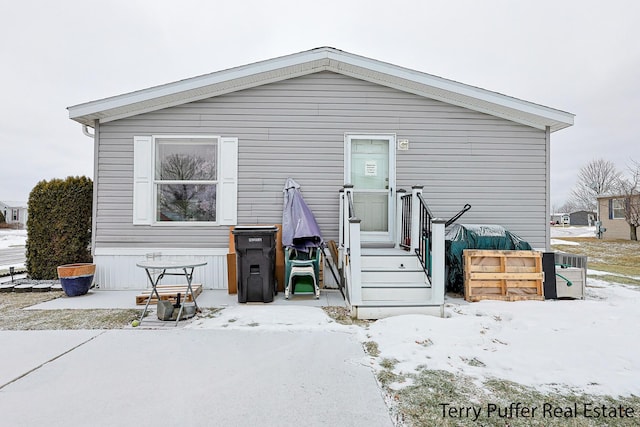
582,218
177,165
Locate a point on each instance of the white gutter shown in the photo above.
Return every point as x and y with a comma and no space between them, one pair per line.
85,130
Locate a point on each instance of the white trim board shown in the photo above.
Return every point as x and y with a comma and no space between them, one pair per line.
162,251
312,61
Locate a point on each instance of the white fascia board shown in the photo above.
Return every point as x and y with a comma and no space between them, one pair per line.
455,88
193,83
434,87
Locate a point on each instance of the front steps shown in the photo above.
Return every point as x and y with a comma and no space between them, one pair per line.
393,282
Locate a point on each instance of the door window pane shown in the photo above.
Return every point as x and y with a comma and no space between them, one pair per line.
370,164
370,179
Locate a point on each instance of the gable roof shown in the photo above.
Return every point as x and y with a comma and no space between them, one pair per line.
13,204
313,61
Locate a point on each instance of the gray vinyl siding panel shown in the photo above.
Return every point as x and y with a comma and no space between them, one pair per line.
296,128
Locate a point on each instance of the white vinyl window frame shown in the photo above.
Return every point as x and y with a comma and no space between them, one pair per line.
145,184
202,140
618,208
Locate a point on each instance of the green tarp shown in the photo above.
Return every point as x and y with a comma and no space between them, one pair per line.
459,237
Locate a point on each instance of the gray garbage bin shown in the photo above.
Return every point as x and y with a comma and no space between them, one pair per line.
255,262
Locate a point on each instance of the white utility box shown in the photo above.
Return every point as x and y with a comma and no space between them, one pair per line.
577,279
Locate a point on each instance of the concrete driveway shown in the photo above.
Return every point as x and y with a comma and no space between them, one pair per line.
176,377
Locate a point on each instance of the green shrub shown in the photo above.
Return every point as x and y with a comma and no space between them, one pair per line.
59,225
2,218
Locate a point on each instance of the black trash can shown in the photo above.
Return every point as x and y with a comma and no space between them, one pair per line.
255,262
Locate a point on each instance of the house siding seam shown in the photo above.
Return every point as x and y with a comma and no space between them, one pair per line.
296,128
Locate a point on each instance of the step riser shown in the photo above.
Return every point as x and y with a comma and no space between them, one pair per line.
390,295
390,262
393,277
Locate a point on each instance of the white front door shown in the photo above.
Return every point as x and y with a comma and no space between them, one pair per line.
370,168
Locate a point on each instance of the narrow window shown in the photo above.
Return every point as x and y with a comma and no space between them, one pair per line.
617,206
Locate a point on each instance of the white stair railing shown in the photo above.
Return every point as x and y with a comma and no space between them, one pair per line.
355,266
350,251
409,235
438,261
415,218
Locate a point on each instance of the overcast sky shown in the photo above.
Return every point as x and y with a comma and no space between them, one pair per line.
575,55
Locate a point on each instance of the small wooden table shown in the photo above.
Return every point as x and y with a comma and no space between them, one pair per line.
187,268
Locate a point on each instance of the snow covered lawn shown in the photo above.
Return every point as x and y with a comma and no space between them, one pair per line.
587,346
10,238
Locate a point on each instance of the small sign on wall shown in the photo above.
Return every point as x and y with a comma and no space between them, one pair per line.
371,168
403,144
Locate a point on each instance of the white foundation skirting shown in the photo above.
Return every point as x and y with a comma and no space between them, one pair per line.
116,268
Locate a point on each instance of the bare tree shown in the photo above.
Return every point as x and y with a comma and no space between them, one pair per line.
595,179
568,207
630,188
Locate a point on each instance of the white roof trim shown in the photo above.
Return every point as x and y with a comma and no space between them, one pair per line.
312,61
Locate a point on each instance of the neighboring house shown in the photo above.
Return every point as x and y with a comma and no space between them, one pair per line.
582,218
14,213
560,219
612,210
326,118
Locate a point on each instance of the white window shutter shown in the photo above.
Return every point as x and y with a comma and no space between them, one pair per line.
142,180
228,182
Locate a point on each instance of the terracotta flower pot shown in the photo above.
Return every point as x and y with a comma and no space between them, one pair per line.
76,279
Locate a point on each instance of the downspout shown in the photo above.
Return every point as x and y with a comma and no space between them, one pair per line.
547,140
85,130
94,208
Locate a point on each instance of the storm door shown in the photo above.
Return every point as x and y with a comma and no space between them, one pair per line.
370,168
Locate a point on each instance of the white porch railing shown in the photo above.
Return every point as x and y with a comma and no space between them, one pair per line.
416,231
349,247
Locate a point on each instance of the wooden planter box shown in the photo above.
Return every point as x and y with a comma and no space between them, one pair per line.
503,275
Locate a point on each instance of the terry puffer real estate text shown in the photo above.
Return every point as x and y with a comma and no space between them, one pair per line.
546,410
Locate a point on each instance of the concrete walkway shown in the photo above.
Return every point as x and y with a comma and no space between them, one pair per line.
186,376
208,298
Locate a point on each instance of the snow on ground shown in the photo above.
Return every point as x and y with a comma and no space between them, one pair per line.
270,317
9,238
12,239
564,242
559,231
567,345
